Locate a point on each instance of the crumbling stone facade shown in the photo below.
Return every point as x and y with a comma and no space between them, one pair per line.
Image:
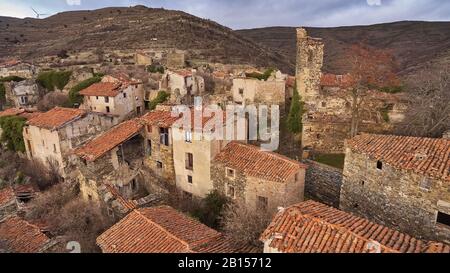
401,199
249,189
327,120
24,94
159,153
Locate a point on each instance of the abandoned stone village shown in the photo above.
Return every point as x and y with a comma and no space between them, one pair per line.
91,154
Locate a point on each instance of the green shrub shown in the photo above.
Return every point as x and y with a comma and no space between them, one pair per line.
392,89
294,120
12,79
51,79
74,93
155,68
162,97
12,127
2,93
211,210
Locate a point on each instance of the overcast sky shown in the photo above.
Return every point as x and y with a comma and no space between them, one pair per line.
239,14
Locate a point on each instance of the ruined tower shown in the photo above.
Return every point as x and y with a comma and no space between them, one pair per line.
309,64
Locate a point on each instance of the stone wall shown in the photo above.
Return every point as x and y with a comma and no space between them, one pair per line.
329,106
248,189
323,183
161,153
400,199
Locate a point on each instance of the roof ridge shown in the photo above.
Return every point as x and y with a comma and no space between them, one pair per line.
162,228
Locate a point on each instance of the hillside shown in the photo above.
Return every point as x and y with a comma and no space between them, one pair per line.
131,28
413,43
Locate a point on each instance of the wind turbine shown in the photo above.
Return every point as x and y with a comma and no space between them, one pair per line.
38,15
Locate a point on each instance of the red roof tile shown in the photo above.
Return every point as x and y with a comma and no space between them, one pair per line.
128,204
106,89
426,156
19,112
11,112
21,236
9,63
183,73
312,227
252,161
161,230
6,196
56,118
109,140
160,118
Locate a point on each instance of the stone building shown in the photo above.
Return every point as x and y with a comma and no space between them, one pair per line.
328,102
159,144
162,229
50,137
193,152
401,182
262,180
254,91
114,157
18,68
23,94
183,85
312,227
111,169
118,96
175,59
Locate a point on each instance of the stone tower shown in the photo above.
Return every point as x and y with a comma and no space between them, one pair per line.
309,64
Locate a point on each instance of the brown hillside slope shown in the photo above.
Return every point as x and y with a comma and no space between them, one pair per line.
131,28
414,44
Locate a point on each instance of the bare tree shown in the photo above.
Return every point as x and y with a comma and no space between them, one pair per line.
51,100
44,176
428,113
69,216
244,224
370,69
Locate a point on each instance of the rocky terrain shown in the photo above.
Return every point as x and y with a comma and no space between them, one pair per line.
415,44
131,28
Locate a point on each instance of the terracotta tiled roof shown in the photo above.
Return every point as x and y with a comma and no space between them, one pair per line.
426,156
332,80
106,89
252,161
29,115
109,140
10,63
160,118
127,204
183,73
21,236
6,196
161,230
56,118
11,112
19,112
312,227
